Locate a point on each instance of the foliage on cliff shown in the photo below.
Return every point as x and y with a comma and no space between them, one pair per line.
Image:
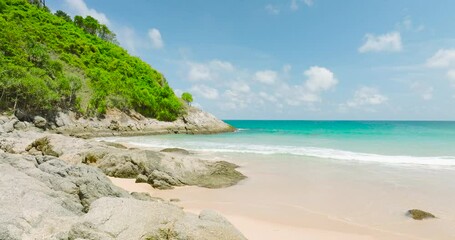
50,62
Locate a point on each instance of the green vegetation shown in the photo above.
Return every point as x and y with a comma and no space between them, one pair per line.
187,97
50,62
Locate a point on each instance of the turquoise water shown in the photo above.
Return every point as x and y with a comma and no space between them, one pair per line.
400,142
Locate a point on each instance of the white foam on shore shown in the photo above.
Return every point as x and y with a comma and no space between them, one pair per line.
325,153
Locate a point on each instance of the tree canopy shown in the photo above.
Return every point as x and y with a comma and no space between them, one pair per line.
187,97
50,62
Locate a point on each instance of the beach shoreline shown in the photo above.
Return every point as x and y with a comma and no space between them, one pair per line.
274,218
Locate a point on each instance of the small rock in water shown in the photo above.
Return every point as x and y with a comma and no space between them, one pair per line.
418,214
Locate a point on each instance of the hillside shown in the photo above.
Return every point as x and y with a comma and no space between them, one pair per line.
50,62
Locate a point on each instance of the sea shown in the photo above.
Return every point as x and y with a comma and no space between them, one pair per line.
427,143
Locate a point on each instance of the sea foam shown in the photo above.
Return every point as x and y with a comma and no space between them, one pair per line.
317,152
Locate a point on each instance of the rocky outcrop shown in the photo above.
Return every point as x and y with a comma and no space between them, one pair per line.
46,198
117,123
69,197
43,195
162,170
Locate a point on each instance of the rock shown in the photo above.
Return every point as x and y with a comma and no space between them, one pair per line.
116,122
163,176
39,122
20,126
176,150
62,119
163,170
44,196
116,145
6,146
160,184
418,214
218,175
141,178
174,200
9,126
42,145
114,125
142,196
109,217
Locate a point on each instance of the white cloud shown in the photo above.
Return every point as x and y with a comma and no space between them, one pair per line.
389,42
155,36
271,9
366,96
79,7
287,69
241,87
266,76
451,74
205,91
211,70
423,90
408,25
128,38
309,3
268,97
221,65
294,6
442,58
199,72
319,79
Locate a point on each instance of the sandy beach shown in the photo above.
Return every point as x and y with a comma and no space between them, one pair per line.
316,200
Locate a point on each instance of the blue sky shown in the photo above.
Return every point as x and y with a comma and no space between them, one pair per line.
294,59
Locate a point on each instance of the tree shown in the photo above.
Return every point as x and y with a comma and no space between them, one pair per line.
187,97
63,15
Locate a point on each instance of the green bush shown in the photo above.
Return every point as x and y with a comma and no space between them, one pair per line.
49,63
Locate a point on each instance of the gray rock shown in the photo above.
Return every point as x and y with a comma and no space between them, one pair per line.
112,218
142,196
176,150
160,184
141,178
20,126
163,170
9,126
39,122
163,176
42,196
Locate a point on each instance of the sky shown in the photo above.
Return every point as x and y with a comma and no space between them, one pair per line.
294,59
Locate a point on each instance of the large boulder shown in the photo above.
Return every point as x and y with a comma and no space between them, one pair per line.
163,170
44,197
119,218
